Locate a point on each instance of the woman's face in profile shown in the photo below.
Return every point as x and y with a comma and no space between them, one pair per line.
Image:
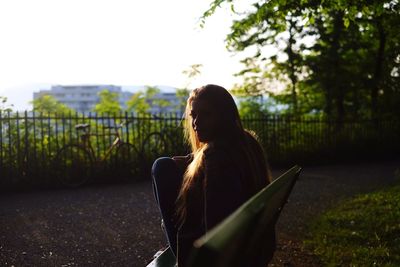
204,120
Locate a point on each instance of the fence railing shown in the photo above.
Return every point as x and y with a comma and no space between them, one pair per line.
288,140
30,141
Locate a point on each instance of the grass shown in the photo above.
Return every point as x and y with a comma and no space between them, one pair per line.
363,231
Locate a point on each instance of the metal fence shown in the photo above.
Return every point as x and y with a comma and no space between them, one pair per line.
30,141
313,139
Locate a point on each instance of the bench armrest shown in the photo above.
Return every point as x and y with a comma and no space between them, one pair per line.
164,259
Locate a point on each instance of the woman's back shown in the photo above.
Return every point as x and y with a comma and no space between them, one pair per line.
224,184
227,167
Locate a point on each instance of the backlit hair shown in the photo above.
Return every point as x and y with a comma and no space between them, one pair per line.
240,143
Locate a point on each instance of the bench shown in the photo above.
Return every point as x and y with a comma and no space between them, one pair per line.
243,234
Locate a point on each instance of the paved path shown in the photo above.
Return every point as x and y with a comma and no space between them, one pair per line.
118,225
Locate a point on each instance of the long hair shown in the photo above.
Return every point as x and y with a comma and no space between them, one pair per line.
241,144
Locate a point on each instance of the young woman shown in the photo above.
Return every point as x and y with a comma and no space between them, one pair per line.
226,167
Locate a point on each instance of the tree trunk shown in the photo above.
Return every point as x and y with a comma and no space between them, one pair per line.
292,67
334,89
378,69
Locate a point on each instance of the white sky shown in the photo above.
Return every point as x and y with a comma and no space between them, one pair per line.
120,42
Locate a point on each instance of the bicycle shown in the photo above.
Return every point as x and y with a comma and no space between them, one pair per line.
162,142
76,162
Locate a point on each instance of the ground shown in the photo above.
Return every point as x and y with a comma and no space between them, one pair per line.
119,225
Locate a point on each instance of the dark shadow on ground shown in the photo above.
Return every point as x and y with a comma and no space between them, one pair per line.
119,225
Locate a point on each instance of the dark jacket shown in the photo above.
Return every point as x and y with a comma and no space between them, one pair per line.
217,193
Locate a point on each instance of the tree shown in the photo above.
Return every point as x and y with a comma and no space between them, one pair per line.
182,94
340,57
268,26
352,55
109,103
47,104
141,102
4,106
249,105
137,103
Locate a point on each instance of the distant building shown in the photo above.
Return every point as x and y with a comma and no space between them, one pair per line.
83,98
169,97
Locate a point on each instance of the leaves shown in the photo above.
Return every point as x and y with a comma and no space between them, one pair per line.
332,54
346,22
138,103
4,106
48,104
109,103
142,101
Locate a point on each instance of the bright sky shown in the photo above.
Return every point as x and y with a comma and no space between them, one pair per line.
120,42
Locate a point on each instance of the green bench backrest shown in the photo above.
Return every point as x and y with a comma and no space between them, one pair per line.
244,234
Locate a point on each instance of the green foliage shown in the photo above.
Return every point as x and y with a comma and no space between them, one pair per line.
47,104
252,105
364,231
150,95
109,103
142,101
336,57
30,141
4,106
151,91
182,94
137,103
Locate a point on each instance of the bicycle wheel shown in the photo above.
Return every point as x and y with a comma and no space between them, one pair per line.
153,147
73,165
127,162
